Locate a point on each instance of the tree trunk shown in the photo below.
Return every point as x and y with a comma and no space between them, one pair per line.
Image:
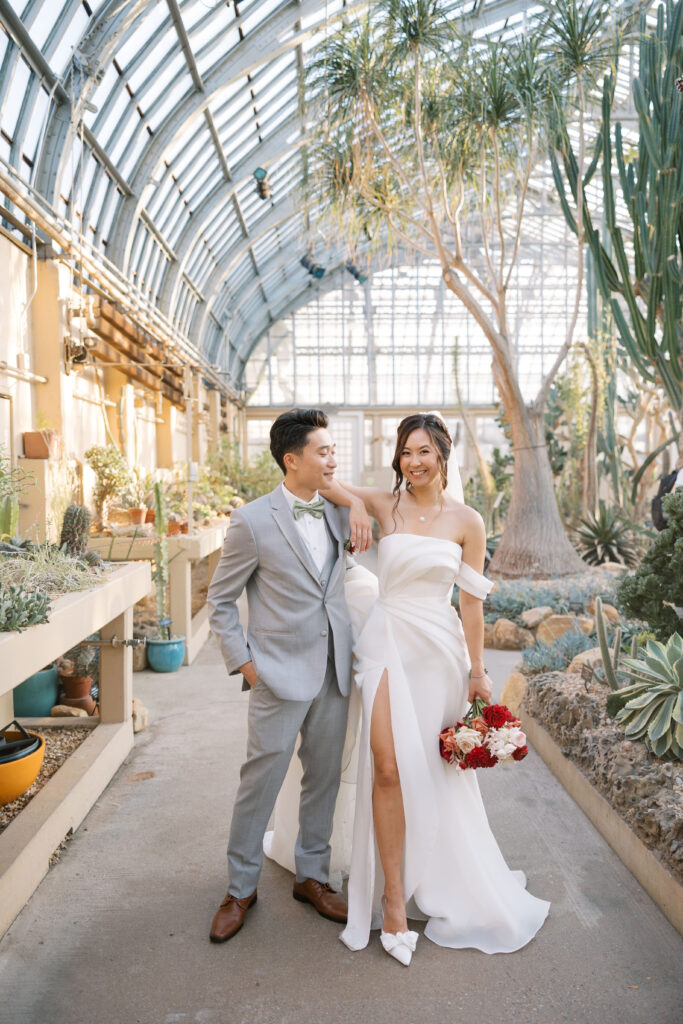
534,541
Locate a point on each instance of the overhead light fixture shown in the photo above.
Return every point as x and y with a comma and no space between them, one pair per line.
313,268
355,272
262,184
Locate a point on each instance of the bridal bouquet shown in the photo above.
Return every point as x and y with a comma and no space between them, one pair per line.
488,735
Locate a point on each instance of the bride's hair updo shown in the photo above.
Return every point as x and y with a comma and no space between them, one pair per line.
440,438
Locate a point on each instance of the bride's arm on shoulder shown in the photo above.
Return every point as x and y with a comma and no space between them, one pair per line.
362,503
471,607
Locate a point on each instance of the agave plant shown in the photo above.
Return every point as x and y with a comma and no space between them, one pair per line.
606,537
651,708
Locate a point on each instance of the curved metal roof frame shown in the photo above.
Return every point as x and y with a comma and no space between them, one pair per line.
144,123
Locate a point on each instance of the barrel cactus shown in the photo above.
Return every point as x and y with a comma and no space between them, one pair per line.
75,530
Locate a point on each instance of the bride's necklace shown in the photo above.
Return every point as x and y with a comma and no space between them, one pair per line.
423,518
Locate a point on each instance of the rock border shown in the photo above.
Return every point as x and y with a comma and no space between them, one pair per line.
646,868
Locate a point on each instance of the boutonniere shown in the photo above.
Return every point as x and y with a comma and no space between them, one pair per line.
348,546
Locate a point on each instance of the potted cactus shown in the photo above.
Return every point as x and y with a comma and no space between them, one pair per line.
165,653
75,531
74,675
141,483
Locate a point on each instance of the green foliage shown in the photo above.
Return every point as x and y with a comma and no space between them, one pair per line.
225,467
555,657
160,571
112,472
656,587
75,531
512,597
606,537
644,292
20,608
9,516
652,708
610,659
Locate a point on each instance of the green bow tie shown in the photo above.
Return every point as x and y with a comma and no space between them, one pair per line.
314,508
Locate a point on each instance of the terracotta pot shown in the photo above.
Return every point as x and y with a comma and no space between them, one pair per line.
76,687
88,704
183,526
149,517
173,528
138,516
40,444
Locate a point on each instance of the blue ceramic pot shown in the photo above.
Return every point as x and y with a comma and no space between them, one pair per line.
37,695
166,655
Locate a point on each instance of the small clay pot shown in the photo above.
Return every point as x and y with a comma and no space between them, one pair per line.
149,517
138,516
174,528
75,687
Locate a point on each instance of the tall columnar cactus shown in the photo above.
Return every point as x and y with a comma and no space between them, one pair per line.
75,530
651,183
9,516
160,573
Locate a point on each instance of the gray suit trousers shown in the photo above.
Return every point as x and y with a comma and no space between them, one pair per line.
273,726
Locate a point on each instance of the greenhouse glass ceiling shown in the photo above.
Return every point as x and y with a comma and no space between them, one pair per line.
138,125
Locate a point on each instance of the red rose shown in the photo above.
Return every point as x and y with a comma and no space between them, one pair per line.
520,753
496,715
480,757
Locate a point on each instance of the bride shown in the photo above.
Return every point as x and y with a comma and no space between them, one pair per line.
422,847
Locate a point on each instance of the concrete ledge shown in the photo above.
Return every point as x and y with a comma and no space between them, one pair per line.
654,877
29,841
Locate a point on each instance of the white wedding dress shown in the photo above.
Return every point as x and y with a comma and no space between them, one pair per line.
454,874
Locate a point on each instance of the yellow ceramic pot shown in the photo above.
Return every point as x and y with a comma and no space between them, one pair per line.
17,776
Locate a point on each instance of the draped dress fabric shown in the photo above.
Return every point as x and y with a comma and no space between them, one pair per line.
454,874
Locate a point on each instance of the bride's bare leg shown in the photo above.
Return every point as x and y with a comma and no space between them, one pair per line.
387,803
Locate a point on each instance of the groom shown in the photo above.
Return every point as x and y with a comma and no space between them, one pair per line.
287,550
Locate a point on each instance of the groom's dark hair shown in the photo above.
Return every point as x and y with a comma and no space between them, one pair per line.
290,432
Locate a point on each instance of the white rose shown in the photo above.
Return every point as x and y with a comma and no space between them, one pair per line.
499,744
467,739
516,736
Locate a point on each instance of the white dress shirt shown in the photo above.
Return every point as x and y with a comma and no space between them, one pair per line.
312,531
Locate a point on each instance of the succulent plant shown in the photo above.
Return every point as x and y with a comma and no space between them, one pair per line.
160,572
9,516
21,608
652,708
79,660
75,530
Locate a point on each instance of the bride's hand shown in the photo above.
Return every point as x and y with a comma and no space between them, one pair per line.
360,525
481,688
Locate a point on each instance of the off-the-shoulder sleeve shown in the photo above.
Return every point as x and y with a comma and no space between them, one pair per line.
473,582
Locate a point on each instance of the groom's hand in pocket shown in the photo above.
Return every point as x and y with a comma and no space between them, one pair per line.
249,672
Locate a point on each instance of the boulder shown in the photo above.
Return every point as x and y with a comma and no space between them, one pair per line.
533,617
64,711
557,625
488,634
140,715
592,657
513,691
610,612
508,636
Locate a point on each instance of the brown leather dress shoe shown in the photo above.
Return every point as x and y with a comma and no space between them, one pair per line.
327,902
230,916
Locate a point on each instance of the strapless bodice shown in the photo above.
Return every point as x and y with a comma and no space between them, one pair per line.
425,569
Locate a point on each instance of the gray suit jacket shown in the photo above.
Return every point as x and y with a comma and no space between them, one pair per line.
290,609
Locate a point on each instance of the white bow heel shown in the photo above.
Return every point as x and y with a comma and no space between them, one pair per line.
401,945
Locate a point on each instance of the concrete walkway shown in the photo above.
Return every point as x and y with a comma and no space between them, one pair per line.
118,931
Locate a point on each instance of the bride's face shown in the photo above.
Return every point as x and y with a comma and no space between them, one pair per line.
419,460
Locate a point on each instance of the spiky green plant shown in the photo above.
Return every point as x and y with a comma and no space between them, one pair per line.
651,708
605,537
9,516
160,571
75,530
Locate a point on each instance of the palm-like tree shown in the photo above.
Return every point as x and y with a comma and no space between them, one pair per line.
431,135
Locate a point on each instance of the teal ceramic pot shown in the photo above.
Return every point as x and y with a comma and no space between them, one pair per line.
37,695
166,655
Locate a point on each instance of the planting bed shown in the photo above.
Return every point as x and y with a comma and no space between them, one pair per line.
645,791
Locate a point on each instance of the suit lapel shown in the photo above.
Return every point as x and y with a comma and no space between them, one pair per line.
282,515
332,520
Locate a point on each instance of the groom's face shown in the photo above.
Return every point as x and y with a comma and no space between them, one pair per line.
316,464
